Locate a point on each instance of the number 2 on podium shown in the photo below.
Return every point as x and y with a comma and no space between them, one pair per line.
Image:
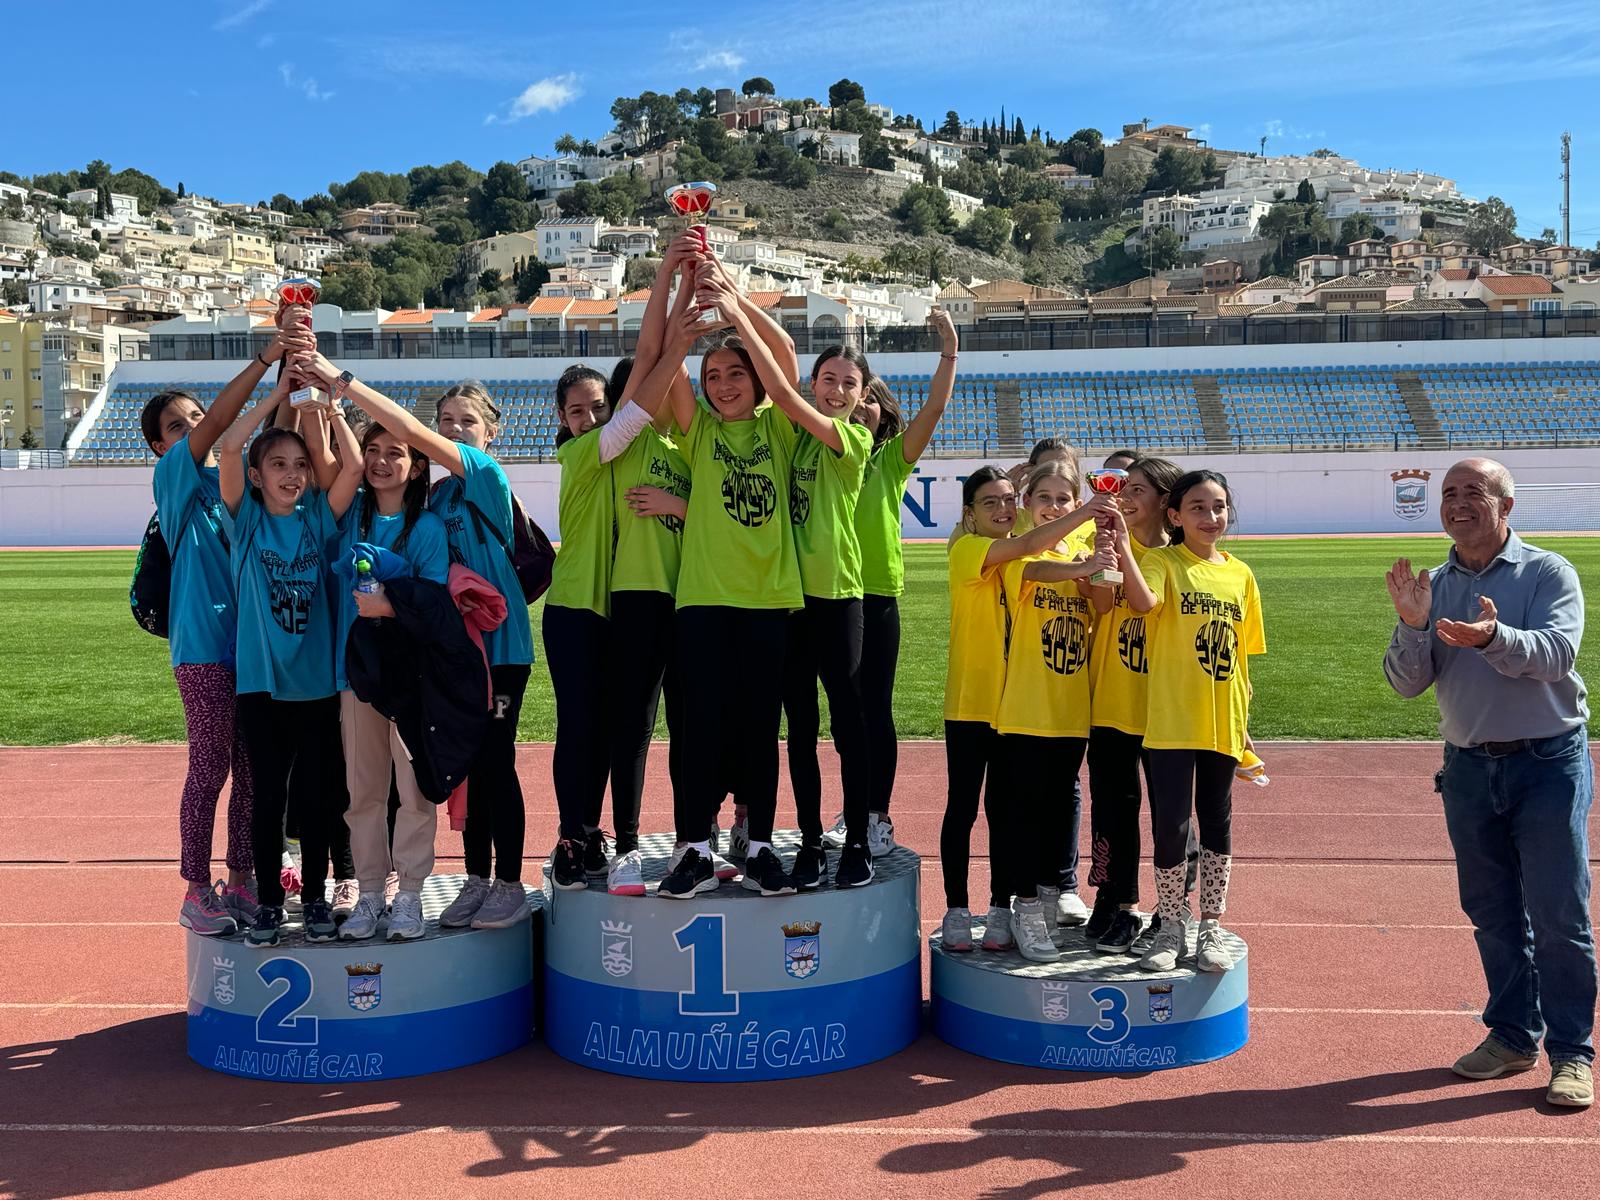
705,938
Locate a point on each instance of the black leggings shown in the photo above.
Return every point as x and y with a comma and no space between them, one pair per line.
880,655
825,641
300,738
642,662
305,790
1184,782
1036,770
577,646
732,667
972,756
1114,799
496,819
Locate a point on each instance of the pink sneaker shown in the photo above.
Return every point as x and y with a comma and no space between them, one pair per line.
203,912
241,903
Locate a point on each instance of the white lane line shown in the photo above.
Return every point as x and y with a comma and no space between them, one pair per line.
96,1007
882,1132
87,924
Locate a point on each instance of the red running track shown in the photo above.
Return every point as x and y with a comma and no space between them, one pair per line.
1365,985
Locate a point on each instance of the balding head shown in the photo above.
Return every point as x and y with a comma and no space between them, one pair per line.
1497,475
1475,503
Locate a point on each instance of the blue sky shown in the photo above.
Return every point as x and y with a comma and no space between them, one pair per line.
244,98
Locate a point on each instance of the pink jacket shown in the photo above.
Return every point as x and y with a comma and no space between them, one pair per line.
482,608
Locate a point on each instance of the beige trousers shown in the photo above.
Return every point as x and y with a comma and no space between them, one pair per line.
371,744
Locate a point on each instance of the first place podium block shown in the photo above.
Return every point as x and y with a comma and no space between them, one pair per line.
730,986
306,1012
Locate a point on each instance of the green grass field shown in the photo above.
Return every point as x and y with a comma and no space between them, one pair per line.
78,669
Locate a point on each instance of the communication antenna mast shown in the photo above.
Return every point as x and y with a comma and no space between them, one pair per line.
1566,189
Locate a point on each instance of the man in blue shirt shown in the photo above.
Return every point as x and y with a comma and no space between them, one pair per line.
1496,631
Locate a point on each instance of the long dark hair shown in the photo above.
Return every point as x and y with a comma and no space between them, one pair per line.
150,415
620,374
851,355
1162,474
891,420
416,493
263,442
1184,484
732,343
570,378
980,477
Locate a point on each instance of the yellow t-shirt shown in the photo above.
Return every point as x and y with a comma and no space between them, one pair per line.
1119,667
1047,671
979,628
1206,623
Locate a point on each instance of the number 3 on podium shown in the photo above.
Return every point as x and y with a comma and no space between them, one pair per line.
705,938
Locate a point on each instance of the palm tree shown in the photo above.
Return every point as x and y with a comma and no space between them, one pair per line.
587,148
566,144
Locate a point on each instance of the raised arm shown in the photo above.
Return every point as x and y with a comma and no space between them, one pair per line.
920,431
652,328
767,330
386,412
1408,663
230,448
351,466
1042,537
648,384
324,466
292,338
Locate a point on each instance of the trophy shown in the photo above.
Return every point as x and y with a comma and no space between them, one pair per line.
692,200
290,292
1107,482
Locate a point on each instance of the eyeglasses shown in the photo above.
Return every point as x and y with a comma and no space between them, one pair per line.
298,291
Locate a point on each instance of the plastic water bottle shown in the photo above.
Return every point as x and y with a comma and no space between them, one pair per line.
365,580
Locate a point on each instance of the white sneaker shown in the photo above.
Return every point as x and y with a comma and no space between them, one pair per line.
626,875
1070,910
1033,940
362,921
391,889
997,930
834,839
1166,949
739,841
405,917
955,932
880,835
1211,952
1048,899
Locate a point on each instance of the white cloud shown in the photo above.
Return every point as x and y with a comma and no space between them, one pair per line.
306,85
240,16
721,60
547,95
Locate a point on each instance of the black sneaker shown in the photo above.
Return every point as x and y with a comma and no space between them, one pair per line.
1101,916
596,855
689,878
264,933
318,917
855,866
1124,931
810,868
567,866
765,874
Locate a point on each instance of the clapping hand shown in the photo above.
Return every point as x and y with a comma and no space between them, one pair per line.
1412,594
1471,635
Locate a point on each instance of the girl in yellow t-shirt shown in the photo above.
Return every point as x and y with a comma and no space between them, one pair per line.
1043,718
1206,614
979,630
1118,678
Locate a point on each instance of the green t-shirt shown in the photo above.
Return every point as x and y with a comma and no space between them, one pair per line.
883,564
581,577
738,547
648,548
823,490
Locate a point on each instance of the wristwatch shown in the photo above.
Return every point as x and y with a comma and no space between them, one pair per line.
342,384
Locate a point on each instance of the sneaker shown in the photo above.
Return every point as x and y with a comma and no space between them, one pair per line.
1165,950
465,906
625,876
1123,933
765,874
204,913
263,934
997,929
289,874
319,922
689,876
834,839
1070,910
503,907
345,894
596,855
567,871
1492,1059
855,867
955,931
362,921
880,835
1211,953
720,867
739,841
1571,1084
810,868
715,840
405,918
1033,941
1052,919
241,903
391,888
1153,930
1101,919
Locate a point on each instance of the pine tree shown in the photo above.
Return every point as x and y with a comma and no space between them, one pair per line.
1019,134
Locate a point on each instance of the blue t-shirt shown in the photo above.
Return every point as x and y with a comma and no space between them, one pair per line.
200,626
426,549
280,574
484,484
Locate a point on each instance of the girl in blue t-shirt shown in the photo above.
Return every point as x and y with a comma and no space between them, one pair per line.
280,528
181,433
475,503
